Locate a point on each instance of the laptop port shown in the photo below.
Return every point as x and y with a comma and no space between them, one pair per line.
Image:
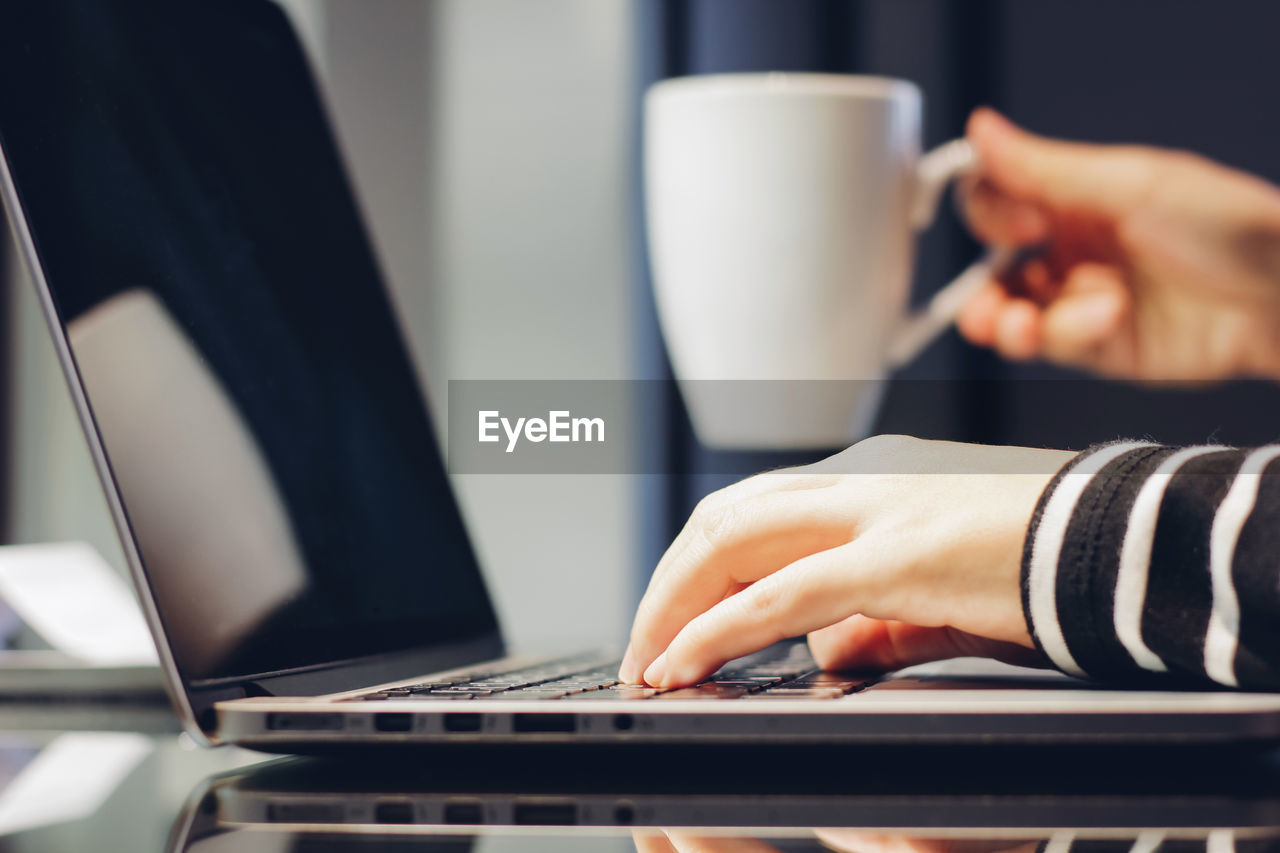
304,722
393,813
465,813
304,813
544,723
546,814
462,722
393,722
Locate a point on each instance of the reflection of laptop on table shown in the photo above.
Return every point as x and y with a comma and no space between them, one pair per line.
300,802
266,451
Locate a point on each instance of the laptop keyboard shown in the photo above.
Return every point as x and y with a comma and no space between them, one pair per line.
785,671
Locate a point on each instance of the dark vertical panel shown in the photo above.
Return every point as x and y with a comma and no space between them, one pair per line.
945,47
661,28
768,35
978,31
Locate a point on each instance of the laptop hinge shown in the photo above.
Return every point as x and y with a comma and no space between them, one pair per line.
202,702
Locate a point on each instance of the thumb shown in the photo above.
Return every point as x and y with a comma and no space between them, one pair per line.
860,642
1102,178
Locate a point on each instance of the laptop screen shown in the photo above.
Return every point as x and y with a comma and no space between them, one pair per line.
257,407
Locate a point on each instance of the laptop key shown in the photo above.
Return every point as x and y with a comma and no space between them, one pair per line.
632,694
848,685
705,691
810,693
555,681
825,680
574,686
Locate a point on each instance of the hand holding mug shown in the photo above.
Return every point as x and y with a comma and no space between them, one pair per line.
1157,265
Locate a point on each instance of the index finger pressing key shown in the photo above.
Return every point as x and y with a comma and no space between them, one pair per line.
809,594
745,542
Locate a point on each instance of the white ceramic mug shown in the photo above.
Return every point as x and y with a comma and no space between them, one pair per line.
782,211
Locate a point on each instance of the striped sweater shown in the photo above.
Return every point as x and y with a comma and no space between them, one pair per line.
1161,563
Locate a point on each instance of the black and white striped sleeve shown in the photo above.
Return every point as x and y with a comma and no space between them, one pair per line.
1152,561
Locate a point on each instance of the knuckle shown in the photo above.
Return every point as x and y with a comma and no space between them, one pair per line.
886,443
718,526
700,637
808,590
696,634
721,523
1134,156
880,453
707,507
1153,169
702,509
1171,159
767,603
1147,171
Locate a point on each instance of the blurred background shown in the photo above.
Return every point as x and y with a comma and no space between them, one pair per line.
494,147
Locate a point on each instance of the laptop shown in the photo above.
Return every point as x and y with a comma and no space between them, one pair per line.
178,199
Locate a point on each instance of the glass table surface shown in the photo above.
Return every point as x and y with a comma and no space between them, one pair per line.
111,781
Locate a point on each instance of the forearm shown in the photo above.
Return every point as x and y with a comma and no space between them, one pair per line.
1145,560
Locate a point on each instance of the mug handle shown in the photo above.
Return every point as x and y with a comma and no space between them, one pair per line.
934,172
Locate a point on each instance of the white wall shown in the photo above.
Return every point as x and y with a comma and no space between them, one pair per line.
488,141
518,144
54,492
532,135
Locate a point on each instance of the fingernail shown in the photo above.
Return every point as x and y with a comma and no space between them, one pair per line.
626,670
657,672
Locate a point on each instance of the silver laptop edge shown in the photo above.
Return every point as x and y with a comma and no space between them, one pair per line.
21,232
